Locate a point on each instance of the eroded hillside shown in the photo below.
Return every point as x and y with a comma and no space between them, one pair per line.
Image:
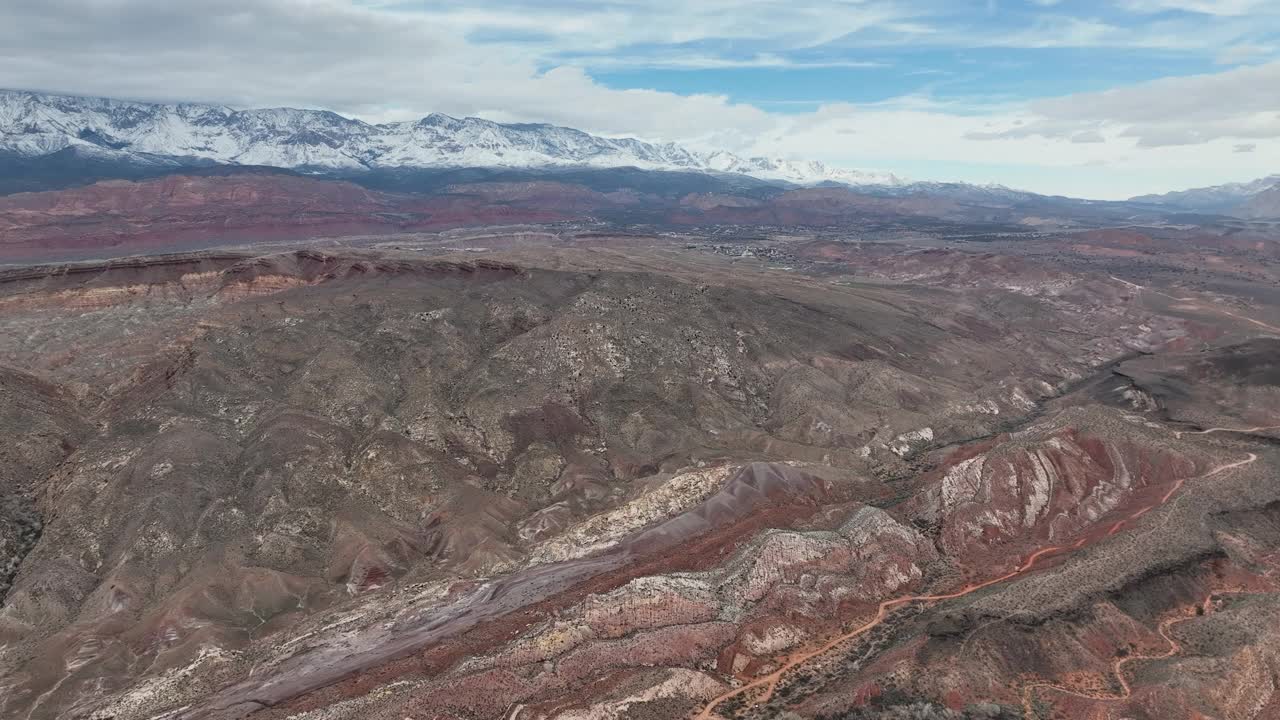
620,480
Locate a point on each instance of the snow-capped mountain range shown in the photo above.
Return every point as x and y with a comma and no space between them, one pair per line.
36,124
1213,198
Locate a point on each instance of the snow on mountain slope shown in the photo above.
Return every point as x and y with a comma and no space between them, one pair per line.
1214,198
797,171
1264,205
36,124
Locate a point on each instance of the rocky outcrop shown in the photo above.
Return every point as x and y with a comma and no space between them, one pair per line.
1049,483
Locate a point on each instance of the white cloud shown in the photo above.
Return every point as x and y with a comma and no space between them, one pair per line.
577,25
1243,53
1192,127
1206,7
719,62
1186,110
1212,97
1061,31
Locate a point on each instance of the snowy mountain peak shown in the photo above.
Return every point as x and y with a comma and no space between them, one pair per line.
35,124
1215,197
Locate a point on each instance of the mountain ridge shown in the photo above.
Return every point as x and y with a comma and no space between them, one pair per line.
36,124
1212,198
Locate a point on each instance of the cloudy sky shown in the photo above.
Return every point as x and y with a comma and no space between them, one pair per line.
1093,98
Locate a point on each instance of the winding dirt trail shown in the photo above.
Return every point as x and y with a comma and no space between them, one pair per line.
1028,691
1126,691
769,683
